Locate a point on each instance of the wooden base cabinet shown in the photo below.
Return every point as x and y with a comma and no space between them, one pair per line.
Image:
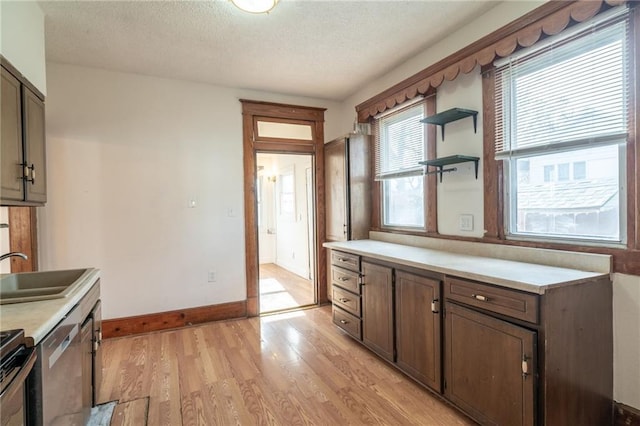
377,309
418,328
490,367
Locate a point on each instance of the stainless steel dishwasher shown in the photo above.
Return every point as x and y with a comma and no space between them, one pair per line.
56,381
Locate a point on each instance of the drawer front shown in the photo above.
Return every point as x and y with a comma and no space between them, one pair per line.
345,260
347,322
348,280
503,301
346,300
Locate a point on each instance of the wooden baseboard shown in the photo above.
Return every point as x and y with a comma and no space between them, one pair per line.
128,326
626,415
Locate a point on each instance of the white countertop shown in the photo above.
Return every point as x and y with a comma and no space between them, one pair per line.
529,277
39,318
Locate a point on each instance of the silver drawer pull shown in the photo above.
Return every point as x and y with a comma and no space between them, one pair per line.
344,300
343,278
343,259
344,322
480,297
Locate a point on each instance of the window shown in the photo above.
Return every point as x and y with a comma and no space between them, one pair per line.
565,104
580,170
400,145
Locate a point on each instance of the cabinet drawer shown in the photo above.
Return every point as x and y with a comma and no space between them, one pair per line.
503,301
347,322
345,260
348,280
346,300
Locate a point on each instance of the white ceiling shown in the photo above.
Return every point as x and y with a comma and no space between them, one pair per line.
321,49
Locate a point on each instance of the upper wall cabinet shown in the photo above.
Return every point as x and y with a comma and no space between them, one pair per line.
23,177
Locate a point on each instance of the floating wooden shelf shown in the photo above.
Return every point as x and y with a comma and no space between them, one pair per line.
450,115
440,163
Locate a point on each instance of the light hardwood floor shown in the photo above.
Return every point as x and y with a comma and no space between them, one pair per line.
281,289
286,369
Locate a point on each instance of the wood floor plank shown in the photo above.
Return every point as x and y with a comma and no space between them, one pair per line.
286,369
131,413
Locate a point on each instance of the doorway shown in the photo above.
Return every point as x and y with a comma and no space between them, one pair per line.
272,128
285,210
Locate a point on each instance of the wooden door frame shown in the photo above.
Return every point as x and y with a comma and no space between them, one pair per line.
251,146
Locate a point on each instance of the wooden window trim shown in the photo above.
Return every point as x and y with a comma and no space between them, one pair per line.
430,185
548,19
625,260
551,18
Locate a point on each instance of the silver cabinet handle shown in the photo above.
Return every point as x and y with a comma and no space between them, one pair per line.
433,306
525,367
344,300
480,297
344,322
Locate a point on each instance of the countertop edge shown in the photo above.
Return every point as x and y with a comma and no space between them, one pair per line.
36,334
495,280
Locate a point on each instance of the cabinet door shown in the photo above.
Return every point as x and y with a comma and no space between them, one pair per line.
96,314
86,338
418,332
489,367
34,144
377,309
11,156
359,186
336,190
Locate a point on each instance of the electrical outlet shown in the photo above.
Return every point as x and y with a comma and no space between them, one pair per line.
211,277
466,222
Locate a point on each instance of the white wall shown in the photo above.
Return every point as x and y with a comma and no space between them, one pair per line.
125,155
22,40
460,193
292,243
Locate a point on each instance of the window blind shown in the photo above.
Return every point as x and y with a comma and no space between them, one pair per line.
400,142
572,92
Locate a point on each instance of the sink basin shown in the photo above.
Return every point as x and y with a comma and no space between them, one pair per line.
33,286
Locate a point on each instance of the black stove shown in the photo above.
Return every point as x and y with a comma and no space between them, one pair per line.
16,362
10,340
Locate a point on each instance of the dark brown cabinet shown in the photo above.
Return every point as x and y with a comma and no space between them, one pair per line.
418,328
347,303
502,355
348,187
490,367
347,164
377,309
23,178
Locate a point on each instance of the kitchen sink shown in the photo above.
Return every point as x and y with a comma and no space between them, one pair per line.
34,286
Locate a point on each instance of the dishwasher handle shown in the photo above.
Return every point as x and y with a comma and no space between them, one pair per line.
57,353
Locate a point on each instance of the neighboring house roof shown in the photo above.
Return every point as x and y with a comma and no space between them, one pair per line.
570,195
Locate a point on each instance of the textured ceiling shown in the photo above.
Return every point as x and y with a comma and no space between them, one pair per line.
322,49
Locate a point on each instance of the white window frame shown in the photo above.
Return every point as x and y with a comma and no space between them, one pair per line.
510,182
415,171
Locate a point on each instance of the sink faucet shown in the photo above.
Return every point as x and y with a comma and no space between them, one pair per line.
12,254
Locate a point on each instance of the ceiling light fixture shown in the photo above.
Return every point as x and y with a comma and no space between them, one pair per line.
255,6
